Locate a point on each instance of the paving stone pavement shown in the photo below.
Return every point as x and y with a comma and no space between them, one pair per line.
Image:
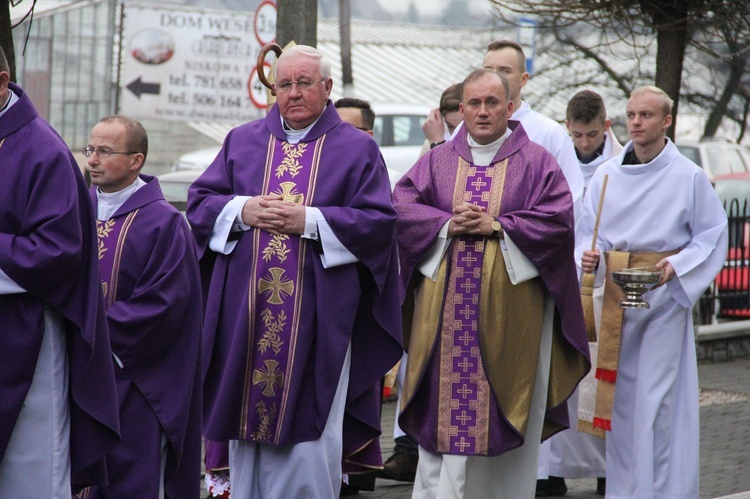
725,439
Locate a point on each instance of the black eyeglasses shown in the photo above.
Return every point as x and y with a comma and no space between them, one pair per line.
103,153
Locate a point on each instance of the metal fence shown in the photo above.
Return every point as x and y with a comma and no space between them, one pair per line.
728,298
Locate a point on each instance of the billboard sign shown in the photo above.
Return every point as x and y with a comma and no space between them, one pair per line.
191,64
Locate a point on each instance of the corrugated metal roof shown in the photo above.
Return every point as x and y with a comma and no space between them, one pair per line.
400,62
412,64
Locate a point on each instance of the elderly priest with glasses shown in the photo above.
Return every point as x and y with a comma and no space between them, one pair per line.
302,316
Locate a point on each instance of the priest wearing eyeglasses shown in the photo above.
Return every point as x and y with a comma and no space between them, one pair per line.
151,285
302,318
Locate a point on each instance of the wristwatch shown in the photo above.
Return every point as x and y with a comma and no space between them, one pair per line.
433,145
497,229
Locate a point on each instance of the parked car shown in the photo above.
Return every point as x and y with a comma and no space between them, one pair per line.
175,186
732,285
397,130
196,160
717,157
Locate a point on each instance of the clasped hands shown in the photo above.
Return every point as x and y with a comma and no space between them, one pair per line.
590,261
273,214
470,219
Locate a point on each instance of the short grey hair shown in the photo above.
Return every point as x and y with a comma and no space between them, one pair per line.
306,51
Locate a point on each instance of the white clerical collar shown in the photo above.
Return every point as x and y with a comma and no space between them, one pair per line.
482,154
293,136
109,202
12,99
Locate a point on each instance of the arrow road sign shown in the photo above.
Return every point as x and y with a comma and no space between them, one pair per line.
139,87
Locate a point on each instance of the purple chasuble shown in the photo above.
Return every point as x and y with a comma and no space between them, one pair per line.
277,322
151,284
48,246
454,409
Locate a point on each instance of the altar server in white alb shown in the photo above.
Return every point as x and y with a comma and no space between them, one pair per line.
573,453
659,209
507,58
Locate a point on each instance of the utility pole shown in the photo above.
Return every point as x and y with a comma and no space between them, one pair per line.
296,20
6,37
345,15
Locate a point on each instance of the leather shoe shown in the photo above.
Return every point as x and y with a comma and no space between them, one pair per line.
601,486
400,466
348,490
553,486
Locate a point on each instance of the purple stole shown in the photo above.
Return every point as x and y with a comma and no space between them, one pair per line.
111,235
275,293
466,398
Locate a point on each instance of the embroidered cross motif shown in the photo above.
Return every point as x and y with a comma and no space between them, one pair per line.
466,338
276,285
478,183
469,259
467,312
465,364
269,379
289,193
468,286
462,444
463,418
464,391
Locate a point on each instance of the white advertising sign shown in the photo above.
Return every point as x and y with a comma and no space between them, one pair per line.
189,64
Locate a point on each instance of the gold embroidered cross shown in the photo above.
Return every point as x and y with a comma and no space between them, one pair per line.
462,444
464,391
269,379
466,338
465,364
464,418
289,193
276,286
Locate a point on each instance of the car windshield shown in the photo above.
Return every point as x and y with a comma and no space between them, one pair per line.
399,130
691,153
174,191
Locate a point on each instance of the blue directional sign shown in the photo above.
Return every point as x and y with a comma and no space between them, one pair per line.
526,37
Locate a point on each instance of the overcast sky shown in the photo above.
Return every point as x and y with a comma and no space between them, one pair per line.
435,6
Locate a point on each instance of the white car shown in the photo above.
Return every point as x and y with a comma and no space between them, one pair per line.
717,157
398,132
175,185
196,160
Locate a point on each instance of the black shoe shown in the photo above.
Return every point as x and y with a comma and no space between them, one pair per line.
400,466
601,486
553,486
348,490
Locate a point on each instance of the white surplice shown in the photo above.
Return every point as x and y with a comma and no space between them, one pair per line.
571,453
667,204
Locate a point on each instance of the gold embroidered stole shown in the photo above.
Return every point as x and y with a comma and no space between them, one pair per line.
275,294
111,235
609,337
502,352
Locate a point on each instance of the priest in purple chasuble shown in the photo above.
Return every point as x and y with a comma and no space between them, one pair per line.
302,316
58,415
152,292
495,347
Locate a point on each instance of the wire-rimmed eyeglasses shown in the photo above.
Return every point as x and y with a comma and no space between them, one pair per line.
302,85
103,153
